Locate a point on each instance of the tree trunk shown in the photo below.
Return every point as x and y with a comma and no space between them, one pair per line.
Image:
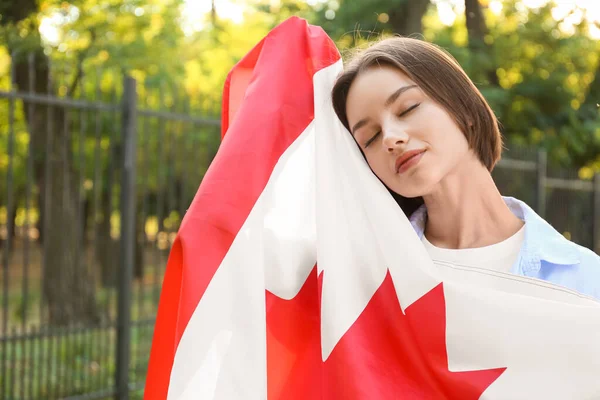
477,30
213,13
407,19
36,117
140,234
40,222
11,215
85,223
68,286
13,227
107,250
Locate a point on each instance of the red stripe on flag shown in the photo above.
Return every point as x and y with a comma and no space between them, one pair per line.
270,94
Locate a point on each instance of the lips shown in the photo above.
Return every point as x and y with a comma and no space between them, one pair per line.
405,159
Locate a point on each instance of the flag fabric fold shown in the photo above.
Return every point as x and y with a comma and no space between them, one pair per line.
296,276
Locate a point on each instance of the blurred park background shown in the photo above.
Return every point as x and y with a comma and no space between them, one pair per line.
109,118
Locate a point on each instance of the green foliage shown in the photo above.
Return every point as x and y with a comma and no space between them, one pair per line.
91,45
545,72
352,23
127,35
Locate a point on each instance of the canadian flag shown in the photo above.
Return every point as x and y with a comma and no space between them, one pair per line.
296,276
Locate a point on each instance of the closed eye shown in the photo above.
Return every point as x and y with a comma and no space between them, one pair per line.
372,139
402,114
409,109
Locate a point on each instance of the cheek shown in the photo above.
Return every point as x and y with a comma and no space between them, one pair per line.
378,165
456,147
446,140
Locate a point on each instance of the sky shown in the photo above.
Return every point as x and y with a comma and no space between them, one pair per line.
447,9
225,8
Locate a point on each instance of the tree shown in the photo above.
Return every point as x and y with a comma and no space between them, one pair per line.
541,80
407,18
477,32
351,22
118,36
68,288
348,22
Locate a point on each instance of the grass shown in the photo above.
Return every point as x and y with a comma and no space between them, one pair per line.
69,362
36,363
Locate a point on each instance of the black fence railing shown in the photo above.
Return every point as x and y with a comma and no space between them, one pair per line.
570,204
94,186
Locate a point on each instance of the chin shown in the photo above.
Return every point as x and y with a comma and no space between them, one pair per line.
411,195
412,191
408,193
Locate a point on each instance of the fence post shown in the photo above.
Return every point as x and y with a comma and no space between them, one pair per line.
127,259
596,215
542,165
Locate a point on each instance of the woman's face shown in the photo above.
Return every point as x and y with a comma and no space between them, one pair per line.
410,142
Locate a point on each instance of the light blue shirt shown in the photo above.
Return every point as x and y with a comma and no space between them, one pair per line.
545,253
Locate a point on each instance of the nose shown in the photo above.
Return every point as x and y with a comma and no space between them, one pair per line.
394,139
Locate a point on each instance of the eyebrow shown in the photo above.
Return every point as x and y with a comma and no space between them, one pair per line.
390,100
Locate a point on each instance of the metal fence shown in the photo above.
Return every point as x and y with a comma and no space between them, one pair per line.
95,180
96,183
571,205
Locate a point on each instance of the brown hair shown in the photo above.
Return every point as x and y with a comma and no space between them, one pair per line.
440,76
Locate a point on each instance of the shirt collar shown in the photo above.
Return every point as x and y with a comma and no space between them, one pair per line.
542,242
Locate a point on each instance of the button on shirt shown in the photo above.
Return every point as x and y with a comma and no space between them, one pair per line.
545,254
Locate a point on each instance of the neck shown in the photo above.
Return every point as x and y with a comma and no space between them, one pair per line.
466,210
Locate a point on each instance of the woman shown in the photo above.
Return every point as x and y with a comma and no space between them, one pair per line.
429,135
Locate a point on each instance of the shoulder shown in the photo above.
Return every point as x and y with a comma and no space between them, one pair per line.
550,256
589,267
588,257
582,275
589,262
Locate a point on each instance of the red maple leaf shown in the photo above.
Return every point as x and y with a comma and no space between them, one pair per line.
385,354
294,366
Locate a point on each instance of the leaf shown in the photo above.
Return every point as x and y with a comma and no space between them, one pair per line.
385,354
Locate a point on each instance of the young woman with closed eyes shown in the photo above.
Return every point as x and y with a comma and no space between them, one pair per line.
429,135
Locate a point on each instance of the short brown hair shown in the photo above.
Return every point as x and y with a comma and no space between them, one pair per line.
440,76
